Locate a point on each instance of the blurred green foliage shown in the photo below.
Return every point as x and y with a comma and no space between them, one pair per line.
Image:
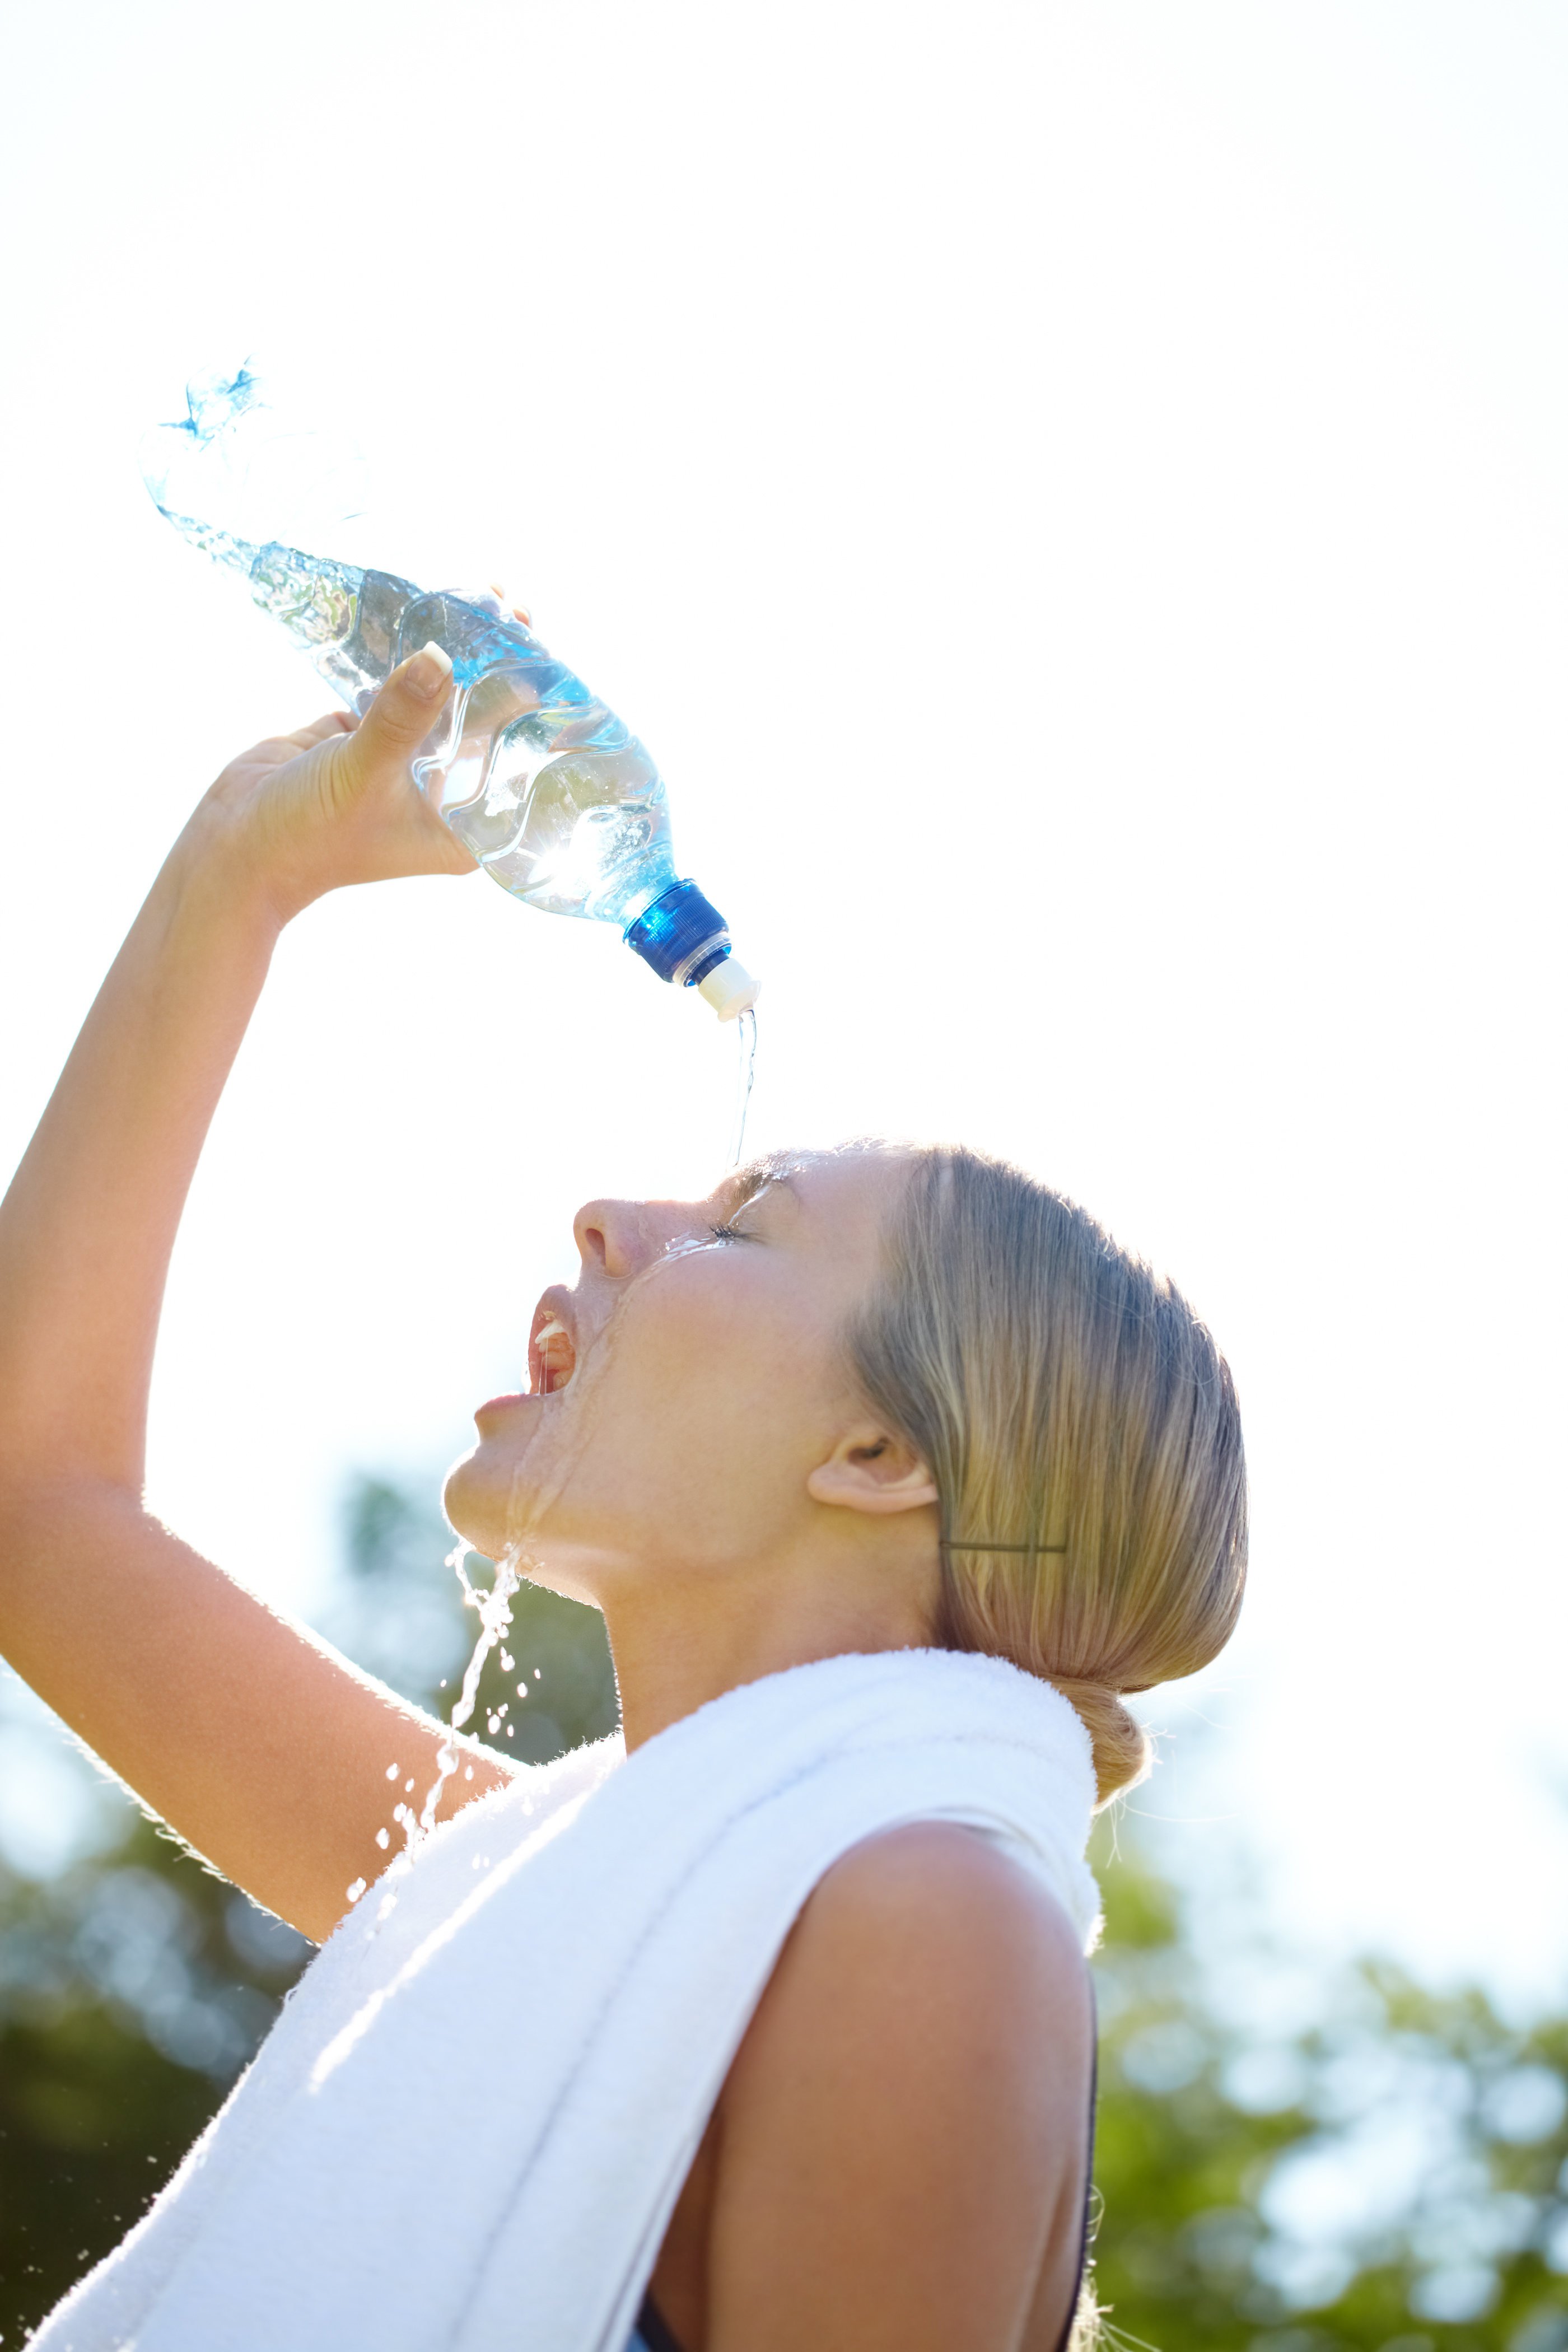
1390,2175
131,1992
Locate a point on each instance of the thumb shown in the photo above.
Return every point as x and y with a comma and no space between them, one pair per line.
406,708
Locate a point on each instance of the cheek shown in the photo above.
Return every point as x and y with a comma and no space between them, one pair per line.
726,1362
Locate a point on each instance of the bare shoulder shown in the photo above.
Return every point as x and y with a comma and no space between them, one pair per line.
902,2133
931,1954
972,1907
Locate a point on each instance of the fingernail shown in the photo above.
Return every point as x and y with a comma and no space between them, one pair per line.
429,671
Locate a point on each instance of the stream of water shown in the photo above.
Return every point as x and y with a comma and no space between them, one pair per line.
746,1036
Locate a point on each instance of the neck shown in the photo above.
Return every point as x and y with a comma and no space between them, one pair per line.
680,1641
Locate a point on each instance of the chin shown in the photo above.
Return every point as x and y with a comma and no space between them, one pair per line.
471,1507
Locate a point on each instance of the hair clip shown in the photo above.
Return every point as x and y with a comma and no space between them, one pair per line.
966,1543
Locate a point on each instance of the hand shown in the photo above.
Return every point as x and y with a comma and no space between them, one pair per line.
334,802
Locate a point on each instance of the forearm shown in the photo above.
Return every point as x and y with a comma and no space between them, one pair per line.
88,1227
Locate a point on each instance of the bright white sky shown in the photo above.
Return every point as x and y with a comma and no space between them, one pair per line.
1075,499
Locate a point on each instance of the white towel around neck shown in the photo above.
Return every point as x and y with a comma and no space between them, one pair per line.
468,2128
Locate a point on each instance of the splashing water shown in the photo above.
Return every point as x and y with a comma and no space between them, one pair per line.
746,1037
494,1609
251,460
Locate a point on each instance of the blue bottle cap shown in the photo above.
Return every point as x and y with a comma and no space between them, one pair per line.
682,935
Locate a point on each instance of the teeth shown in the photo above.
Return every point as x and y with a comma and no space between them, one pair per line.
554,1375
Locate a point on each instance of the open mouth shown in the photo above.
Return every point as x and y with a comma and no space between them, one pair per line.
552,1357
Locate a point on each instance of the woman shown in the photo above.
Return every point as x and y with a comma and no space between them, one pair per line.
891,1475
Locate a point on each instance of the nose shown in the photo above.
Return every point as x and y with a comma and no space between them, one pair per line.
612,1236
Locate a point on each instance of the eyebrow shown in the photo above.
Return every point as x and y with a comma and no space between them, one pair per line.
749,1181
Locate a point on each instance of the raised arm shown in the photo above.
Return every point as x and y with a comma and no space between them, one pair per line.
263,1747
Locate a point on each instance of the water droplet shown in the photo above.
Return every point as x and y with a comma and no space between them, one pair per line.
408,1787
392,1771
384,1839
355,1891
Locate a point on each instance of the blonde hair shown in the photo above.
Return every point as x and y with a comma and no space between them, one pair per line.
1082,1431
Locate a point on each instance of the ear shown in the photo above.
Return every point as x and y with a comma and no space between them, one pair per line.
869,1471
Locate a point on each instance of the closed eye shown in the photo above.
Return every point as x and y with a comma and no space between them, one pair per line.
729,1233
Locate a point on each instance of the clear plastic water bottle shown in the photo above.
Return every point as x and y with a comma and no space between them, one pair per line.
550,792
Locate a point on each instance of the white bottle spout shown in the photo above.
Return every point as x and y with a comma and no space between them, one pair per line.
729,989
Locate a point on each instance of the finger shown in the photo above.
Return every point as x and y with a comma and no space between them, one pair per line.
408,706
321,730
518,611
